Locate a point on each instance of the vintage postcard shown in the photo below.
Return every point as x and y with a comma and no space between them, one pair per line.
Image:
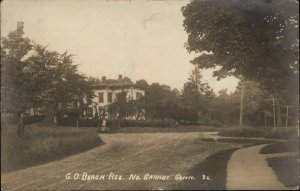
149,95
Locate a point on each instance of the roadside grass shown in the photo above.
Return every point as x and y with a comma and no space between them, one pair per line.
214,166
289,146
278,133
286,169
237,140
174,129
43,144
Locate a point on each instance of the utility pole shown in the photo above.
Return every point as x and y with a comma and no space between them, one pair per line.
274,115
287,113
242,104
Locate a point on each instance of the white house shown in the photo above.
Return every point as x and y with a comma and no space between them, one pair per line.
106,92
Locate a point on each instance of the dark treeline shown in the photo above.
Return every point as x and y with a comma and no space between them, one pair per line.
197,103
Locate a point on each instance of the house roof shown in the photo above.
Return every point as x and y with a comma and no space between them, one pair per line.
115,86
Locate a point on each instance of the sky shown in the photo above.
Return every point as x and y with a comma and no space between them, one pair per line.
140,39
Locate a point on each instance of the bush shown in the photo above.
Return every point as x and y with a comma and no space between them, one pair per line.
42,144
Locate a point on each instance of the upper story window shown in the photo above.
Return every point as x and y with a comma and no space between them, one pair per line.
101,98
109,97
138,95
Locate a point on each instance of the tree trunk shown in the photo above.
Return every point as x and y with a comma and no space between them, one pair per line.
50,112
21,126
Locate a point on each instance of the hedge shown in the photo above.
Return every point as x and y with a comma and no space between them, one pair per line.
27,120
72,122
136,123
277,133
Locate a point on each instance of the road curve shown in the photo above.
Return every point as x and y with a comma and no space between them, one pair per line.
122,154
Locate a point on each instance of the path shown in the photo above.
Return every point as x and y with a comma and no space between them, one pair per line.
248,169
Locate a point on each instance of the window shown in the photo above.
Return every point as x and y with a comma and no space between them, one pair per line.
109,97
101,99
138,95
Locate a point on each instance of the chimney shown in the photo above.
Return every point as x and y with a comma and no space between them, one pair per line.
103,79
120,77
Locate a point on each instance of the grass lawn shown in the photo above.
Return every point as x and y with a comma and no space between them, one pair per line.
213,166
287,167
43,144
289,146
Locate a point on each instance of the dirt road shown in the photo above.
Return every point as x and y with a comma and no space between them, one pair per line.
161,154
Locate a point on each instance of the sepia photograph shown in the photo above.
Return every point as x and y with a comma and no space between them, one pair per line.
149,95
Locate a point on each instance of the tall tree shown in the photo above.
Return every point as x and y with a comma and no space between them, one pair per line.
15,93
35,77
56,80
142,83
251,40
195,92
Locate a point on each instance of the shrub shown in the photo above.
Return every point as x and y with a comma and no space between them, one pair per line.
41,144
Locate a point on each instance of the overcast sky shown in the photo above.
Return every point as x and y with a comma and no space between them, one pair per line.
138,39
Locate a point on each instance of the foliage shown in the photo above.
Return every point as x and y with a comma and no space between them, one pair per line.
196,94
56,80
159,101
252,40
124,107
15,91
42,144
142,83
35,77
193,89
